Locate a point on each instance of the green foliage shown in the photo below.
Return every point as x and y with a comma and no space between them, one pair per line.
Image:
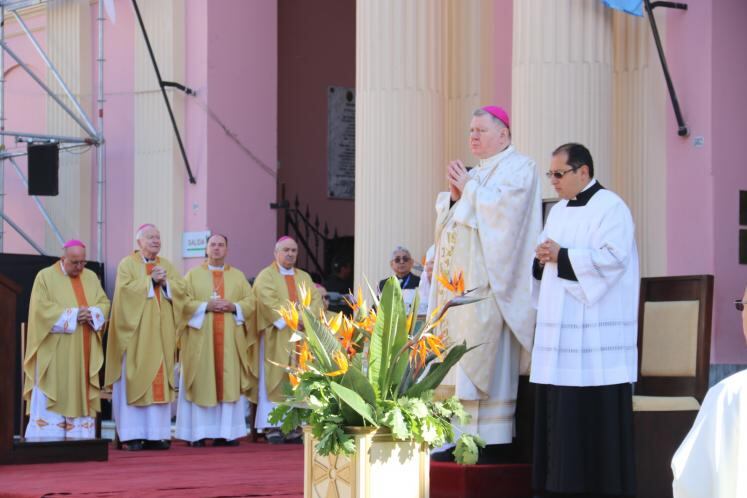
389,336
378,385
466,451
438,371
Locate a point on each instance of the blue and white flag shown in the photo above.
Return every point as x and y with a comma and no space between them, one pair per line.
634,7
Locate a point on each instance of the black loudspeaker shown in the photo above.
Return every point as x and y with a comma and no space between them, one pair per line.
43,165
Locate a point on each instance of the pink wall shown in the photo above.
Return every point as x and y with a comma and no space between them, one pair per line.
729,103
316,50
195,130
242,78
119,132
502,49
703,47
25,111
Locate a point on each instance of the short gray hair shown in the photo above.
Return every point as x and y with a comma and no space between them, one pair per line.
400,249
139,233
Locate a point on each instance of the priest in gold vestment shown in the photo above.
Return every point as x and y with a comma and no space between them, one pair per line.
214,348
64,355
274,286
486,227
148,299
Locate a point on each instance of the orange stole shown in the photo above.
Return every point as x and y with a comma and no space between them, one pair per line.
218,335
290,284
158,382
80,297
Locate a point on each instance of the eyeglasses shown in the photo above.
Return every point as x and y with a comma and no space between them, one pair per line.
77,263
559,174
402,259
739,305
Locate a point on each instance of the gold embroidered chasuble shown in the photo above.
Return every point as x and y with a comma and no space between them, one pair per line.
215,357
489,235
271,291
144,329
66,365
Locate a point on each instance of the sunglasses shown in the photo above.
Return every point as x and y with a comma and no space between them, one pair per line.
739,305
402,259
559,174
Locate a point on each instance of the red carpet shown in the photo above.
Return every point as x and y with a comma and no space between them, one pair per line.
249,470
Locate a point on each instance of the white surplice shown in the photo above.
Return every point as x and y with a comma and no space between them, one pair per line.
712,460
152,422
587,330
489,234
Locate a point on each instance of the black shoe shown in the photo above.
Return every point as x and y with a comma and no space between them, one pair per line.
294,437
493,454
443,456
161,444
200,443
224,442
274,437
133,445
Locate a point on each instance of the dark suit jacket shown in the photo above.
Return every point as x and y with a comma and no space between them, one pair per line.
410,282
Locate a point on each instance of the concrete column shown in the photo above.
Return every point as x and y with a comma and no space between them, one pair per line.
401,68
159,173
639,128
562,80
69,48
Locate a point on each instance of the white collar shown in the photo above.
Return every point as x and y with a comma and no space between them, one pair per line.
146,260
62,267
215,268
589,185
284,271
498,157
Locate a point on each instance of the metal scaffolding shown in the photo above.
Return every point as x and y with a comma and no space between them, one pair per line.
94,135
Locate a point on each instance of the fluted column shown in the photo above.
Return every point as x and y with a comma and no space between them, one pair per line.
400,131
639,137
465,73
159,172
562,80
69,47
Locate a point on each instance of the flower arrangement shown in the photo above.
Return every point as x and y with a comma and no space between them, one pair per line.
375,369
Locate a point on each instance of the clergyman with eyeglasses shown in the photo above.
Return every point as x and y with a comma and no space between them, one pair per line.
64,355
486,228
585,358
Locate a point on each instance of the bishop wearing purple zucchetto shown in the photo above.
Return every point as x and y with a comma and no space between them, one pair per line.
64,355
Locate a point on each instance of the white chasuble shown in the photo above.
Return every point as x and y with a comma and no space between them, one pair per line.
489,235
587,328
712,460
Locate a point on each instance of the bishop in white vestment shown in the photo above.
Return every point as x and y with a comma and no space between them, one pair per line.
585,357
486,228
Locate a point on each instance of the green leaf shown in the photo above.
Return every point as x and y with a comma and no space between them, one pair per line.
389,336
466,451
438,372
322,341
415,406
357,382
355,401
396,422
428,431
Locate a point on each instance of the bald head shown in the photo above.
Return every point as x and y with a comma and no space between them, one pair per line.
74,260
